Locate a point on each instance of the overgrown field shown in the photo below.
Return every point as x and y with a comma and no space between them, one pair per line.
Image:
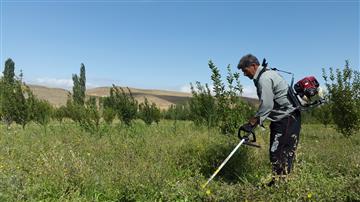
169,162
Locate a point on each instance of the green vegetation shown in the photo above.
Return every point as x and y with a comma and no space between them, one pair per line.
17,102
225,109
149,113
98,149
177,112
12,99
149,163
124,104
344,97
79,87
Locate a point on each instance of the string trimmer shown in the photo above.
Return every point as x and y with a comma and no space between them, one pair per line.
244,139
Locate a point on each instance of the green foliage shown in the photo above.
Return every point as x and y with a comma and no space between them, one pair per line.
9,71
149,113
39,111
13,102
231,110
177,112
82,83
87,116
109,115
344,96
226,109
202,106
107,106
91,116
60,113
79,87
324,114
124,104
319,115
75,111
143,163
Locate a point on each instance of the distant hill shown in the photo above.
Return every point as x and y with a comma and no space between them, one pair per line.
56,96
162,98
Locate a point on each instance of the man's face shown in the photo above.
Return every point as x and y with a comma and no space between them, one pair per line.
249,71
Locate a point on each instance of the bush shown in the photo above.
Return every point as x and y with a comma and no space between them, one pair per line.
177,112
124,104
75,111
91,120
225,110
323,114
109,115
202,106
60,113
39,111
344,96
149,113
231,110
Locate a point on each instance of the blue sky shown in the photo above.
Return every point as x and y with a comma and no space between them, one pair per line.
167,44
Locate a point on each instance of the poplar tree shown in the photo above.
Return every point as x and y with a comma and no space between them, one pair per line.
12,102
79,87
82,83
9,71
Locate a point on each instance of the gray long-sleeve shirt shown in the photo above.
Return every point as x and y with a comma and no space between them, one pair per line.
272,91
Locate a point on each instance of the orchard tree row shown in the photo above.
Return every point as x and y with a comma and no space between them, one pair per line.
19,105
220,107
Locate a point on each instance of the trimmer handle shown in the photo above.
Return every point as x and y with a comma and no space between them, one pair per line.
250,138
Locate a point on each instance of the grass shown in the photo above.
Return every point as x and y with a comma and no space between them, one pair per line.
167,163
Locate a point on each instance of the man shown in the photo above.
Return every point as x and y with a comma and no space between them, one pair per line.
272,91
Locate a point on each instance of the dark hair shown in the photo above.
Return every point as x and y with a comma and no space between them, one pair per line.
247,60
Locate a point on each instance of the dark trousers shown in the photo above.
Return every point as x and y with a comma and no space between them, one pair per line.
284,138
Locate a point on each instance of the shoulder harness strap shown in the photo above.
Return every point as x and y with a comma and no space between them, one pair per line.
264,64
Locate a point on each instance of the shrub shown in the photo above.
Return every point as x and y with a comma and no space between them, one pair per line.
202,106
178,112
149,113
91,119
124,104
225,109
344,96
323,114
39,111
109,115
231,110
60,113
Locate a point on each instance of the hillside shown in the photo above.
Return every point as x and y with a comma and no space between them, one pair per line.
161,98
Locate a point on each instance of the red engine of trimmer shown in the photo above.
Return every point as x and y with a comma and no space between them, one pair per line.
306,93
307,86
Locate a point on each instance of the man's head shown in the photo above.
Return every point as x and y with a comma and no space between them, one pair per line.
248,65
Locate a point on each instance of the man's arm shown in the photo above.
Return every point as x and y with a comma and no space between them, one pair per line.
266,97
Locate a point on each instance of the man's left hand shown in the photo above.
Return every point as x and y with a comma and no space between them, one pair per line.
247,128
254,121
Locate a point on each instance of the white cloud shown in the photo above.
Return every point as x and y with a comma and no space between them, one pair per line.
54,82
59,83
185,88
91,85
249,91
